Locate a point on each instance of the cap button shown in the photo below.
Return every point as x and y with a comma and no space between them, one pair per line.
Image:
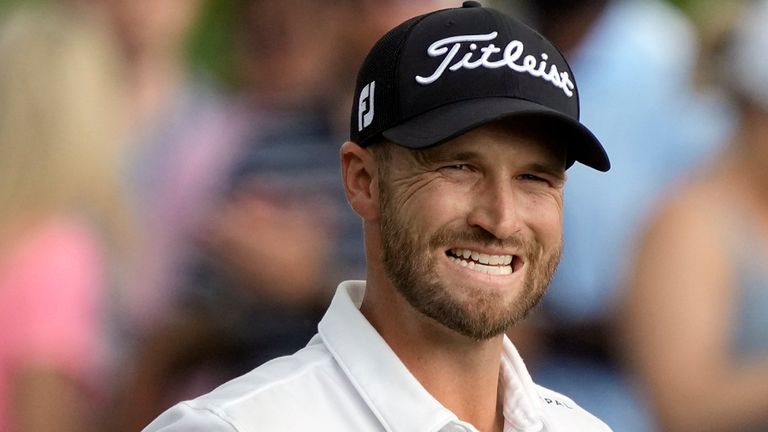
470,3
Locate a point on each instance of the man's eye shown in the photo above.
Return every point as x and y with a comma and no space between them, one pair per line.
457,167
531,177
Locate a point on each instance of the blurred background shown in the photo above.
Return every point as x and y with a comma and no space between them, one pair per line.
172,216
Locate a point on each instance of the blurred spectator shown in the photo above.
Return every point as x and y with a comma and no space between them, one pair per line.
634,60
265,263
697,312
285,204
183,141
61,218
184,137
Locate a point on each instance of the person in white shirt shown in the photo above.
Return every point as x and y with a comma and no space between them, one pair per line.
464,124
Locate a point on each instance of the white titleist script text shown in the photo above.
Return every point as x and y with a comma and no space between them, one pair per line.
512,53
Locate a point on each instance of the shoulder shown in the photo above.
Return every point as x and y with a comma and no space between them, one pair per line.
54,267
188,418
58,261
62,241
289,393
562,413
688,222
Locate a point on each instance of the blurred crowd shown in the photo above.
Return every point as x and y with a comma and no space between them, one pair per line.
171,211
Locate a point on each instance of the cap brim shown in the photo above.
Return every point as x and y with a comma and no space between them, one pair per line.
449,121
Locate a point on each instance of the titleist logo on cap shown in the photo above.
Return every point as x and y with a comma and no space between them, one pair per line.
512,53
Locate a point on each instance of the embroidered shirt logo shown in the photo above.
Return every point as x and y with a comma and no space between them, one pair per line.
557,402
512,57
365,106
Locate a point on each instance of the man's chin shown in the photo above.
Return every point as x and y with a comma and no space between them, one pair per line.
479,316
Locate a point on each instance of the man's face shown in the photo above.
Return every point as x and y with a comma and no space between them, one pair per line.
472,229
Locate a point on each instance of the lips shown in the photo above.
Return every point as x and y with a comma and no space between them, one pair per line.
481,262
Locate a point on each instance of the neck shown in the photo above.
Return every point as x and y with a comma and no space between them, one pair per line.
460,372
153,81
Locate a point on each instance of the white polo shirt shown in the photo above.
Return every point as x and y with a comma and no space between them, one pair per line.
348,379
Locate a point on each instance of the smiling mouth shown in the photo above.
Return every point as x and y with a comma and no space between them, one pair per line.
485,263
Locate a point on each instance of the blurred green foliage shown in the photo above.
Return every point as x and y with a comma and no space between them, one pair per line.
699,10
210,48
7,4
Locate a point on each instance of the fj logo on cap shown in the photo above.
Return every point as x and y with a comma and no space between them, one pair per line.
365,106
513,52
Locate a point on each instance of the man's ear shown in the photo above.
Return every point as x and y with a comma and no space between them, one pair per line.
360,176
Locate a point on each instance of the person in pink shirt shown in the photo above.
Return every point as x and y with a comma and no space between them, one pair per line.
58,197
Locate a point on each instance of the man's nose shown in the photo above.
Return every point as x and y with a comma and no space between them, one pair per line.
494,209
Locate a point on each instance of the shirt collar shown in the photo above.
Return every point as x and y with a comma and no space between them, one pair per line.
394,395
522,405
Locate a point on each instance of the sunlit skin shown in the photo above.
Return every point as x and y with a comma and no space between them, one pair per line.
493,190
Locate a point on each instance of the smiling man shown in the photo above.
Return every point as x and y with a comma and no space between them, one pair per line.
464,125
465,234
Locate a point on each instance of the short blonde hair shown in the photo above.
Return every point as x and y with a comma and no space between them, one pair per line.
60,115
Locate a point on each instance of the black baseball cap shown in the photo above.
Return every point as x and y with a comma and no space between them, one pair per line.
439,75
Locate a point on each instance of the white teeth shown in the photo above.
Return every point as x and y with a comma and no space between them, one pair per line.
487,259
496,270
487,269
490,264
